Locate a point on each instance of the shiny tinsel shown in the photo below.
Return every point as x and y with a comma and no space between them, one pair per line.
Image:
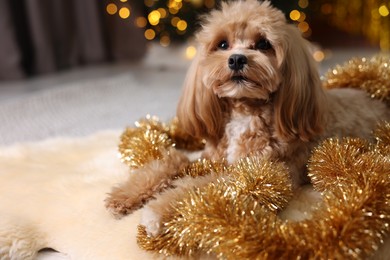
150,138
332,159
235,218
371,75
228,208
202,167
144,143
382,136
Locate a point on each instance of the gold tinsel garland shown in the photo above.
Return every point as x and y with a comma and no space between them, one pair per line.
228,208
150,138
225,219
236,217
371,75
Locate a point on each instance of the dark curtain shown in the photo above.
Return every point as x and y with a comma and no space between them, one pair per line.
43,36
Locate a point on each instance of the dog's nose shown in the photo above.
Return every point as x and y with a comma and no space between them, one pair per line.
237,61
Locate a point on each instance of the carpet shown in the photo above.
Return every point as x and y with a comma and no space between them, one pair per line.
52,196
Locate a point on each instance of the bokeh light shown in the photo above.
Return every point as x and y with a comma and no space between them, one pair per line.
190,52
303,26
149,3
181,25
154,17
383,10
209,3
111,9
150,34
303,3
124,12
165,40
319,56
174,21
163,12
171,20
295,15
141,22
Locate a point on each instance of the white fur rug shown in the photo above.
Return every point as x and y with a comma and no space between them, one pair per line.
52,195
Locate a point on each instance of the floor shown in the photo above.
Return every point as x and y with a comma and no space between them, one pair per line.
158,58
83,101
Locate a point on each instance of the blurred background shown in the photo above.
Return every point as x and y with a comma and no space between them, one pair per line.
70,67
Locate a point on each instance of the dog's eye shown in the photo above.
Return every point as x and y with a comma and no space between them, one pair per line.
263,45
223,45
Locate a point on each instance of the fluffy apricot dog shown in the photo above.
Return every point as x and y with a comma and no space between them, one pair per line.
253,88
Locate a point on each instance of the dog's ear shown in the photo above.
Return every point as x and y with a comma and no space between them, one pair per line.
300,101
199,110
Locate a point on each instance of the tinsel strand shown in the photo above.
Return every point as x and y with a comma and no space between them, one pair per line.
371,75
150,138
351,224
382,136
202,167
252,182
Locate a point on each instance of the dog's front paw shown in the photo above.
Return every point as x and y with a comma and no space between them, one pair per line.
151,220
116,208
120,204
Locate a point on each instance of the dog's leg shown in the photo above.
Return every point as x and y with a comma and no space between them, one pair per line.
144,183
161,208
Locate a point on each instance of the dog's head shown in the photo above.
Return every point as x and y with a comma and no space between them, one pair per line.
248,50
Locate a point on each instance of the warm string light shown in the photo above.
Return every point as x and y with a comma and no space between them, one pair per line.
165,20
168,19
174,19
319,55
111,9
190,52
299,17
122,9
124,13
171,18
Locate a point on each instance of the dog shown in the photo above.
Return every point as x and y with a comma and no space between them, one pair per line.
252,89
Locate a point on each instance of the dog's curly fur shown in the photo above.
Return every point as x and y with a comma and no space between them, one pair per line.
254,88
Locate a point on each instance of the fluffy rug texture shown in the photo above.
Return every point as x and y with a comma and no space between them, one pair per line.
52,195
